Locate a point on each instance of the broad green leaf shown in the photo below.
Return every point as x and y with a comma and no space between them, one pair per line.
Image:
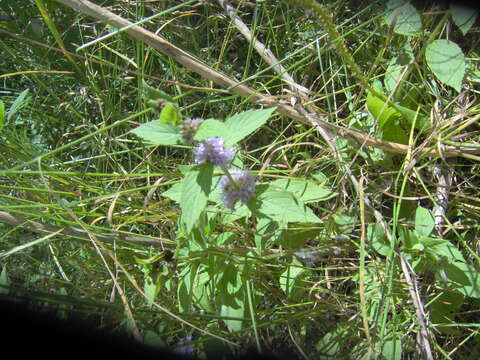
175,192
395,121
397,66
447,62
442,310
473,275
185,284
170,114
406,17
392,349
424,222
282,206
297,236
211,128
243,124
196,188
157,133
332,343
464,17
454,274
290,276
19,102
305,191
233,312
154,94
377,239
2,115
231,296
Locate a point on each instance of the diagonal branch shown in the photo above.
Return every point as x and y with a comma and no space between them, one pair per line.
262,50
193,64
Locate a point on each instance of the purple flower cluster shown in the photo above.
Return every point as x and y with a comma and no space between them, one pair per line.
211,150
243,189
189,129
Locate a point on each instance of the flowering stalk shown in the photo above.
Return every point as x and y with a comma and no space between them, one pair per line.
237,185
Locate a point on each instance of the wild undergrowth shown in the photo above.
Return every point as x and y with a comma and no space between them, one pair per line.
247,227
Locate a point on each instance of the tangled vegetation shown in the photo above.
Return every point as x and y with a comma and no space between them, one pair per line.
299,177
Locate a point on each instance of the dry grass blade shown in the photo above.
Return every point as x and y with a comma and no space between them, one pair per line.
193,64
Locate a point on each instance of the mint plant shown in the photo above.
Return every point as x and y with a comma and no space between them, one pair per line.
215,192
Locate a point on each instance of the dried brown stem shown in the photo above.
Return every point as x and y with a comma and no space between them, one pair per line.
193,64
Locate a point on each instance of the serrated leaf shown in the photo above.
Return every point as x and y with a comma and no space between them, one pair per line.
424,222
243,124
157,133
282,206
447,62
305,191
170,114
211,128
196,188
407,18
464,17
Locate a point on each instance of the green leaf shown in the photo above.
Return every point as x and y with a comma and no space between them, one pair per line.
282,206
424,222
2,115
397,66
155,94
4,281
395,121
470,289
290,276
442,310
305,191
407,18
231,297
151,338
447,62
196,188
243,124
211,128
19,102
377,239
170,114
392,349
175,192
463,17
151,287
157,133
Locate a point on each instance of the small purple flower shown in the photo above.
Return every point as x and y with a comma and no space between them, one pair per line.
243,191
190,127
211,150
